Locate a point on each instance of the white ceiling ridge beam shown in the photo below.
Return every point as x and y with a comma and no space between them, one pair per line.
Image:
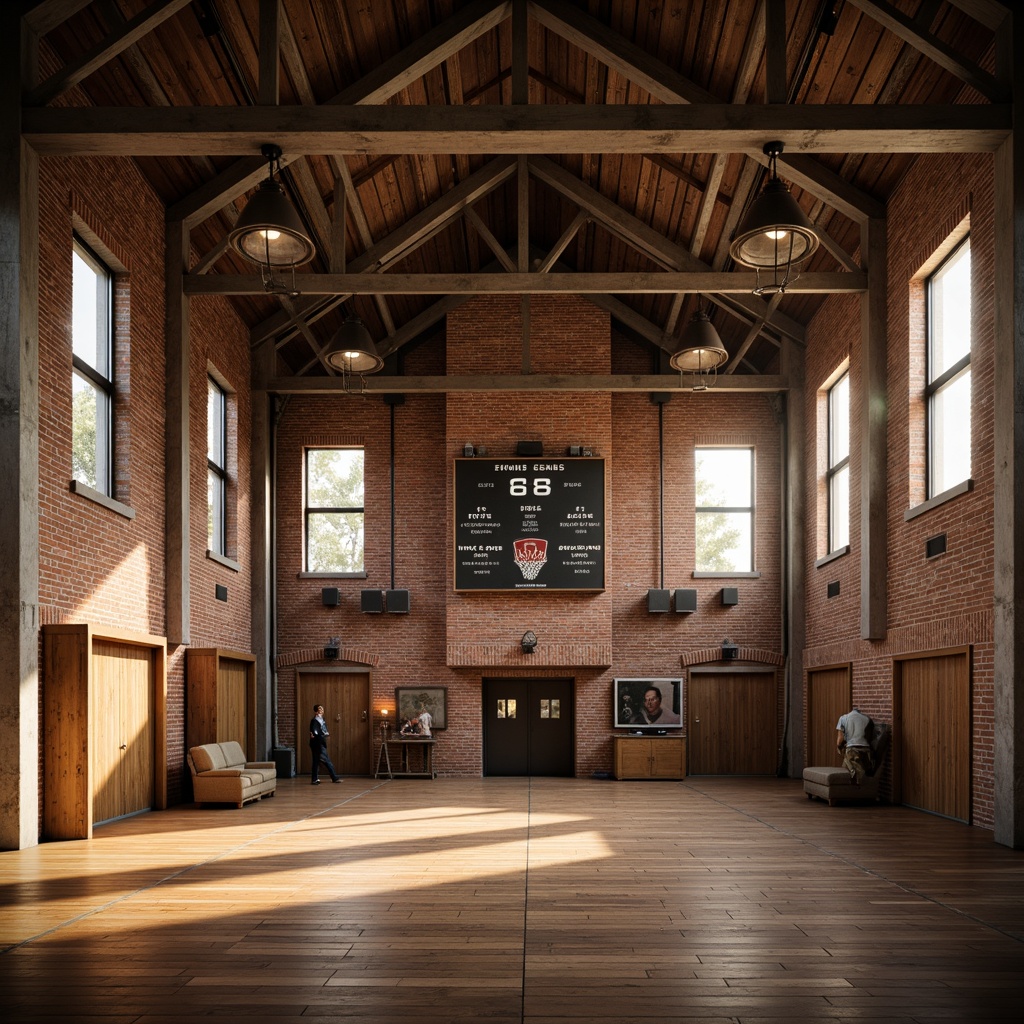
736,283
507,130
123,37
935,49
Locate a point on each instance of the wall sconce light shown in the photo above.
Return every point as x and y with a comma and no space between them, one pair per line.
729,650
332,649
700,352
269,231
775,234
529,642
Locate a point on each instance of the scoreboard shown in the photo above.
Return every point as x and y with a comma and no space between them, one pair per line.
529,524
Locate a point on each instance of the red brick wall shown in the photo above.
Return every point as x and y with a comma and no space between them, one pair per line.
94,564
932,603
457,639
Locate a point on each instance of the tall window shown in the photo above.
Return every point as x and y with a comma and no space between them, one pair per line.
216,466
92,378
334,510
725,509
838,473
948,384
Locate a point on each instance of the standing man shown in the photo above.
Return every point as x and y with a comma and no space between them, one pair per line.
852,742
318,745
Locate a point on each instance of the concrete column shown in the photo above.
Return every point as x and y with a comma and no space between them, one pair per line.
19,458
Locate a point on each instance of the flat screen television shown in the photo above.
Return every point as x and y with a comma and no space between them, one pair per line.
648,705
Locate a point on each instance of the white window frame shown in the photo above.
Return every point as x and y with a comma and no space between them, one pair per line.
217,465
707,510
98,374
838,467
310,510
941,378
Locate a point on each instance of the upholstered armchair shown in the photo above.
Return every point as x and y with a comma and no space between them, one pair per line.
835,785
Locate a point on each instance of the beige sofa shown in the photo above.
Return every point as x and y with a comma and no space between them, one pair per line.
221,775
835,785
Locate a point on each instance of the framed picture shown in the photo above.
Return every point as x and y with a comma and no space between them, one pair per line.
412,701
648,705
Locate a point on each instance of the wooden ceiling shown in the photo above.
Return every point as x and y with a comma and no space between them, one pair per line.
438,149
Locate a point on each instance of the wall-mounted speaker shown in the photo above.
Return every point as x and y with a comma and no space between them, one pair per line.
832,589
935,546
371,601
331,597
531,448
686,601
397,601
730,596
658,600
221,592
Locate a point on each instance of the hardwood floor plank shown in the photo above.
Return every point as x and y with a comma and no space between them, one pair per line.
518,901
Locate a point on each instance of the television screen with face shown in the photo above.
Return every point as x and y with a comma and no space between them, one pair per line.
648,705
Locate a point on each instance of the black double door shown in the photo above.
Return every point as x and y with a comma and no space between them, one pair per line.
528,727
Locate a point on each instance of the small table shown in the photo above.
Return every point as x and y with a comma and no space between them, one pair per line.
425,743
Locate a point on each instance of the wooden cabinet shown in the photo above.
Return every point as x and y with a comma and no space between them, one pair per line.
221,698
104,726
650,757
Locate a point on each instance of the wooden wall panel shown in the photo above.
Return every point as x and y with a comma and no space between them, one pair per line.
932,703
732,723
829,695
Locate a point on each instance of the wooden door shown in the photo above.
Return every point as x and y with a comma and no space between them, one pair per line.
732,723
346,700
528,727
829,696
233,704
123,717
932,733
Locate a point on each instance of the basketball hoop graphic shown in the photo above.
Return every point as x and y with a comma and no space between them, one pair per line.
530,556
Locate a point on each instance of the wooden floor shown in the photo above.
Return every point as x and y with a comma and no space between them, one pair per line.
515,900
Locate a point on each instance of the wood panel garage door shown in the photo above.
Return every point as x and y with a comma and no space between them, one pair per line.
732,723
932,732
829,696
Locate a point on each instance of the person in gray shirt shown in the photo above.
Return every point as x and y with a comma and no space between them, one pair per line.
852,741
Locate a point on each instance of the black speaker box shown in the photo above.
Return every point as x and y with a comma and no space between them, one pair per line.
331,597
397,601
686,601
658,600
730,595
371,601
529,448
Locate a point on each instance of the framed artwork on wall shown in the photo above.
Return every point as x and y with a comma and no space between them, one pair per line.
413,701
648,705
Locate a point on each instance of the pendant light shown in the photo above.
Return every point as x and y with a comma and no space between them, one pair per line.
700,352
352,353
775,234
269,231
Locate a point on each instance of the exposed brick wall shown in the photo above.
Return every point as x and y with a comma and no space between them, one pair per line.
94,564
458,639
933,603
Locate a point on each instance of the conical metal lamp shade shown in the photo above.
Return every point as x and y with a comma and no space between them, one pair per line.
700,348
352,350
775,232
269,231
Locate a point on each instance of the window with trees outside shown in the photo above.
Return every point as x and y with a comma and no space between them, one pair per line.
216,466
725,509
92,376
334,510
838,472
948,381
